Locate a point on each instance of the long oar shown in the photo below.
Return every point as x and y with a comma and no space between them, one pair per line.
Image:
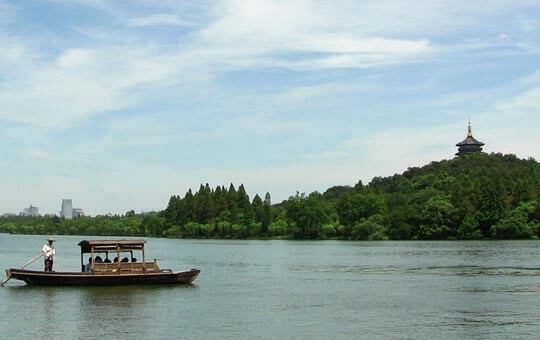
32,260
24,266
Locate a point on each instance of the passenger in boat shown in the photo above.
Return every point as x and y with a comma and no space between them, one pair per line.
125,259
133,259
48,253
107,260
88,266
98,259
115,259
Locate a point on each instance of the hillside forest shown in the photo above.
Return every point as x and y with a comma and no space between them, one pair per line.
475,196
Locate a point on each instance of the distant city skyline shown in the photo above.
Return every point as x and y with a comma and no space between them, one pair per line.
120,104
66,211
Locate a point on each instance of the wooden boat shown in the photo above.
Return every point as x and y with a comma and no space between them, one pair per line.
106,272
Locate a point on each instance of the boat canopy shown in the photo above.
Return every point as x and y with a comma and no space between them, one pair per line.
89,246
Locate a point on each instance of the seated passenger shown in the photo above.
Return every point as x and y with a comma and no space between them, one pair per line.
115,259
133,259
125,259
107,260
88,266
98,259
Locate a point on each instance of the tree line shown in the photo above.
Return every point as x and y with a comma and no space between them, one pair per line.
474,196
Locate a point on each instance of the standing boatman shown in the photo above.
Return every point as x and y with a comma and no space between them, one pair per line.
48,253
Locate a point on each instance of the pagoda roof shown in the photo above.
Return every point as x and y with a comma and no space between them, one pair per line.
469,141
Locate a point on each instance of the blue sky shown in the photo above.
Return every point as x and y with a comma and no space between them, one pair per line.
120,104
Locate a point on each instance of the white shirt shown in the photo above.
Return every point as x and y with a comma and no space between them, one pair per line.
48,251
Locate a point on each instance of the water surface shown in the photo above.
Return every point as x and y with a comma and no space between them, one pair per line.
288,289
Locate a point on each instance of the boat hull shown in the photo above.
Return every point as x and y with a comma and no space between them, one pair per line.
100,279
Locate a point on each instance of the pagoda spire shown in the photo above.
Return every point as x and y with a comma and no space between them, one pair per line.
469,144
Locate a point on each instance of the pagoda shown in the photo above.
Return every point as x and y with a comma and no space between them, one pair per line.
469,144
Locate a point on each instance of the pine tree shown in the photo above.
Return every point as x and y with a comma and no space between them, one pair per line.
244,205
267,214
188,213
171,213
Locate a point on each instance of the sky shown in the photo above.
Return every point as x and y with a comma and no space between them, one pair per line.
120,104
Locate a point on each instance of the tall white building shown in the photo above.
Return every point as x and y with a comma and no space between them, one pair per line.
67,209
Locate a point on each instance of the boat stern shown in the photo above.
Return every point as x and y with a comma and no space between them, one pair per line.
8,276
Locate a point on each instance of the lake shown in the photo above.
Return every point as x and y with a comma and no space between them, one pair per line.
287,289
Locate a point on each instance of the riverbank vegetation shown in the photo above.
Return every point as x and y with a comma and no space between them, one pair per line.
469,197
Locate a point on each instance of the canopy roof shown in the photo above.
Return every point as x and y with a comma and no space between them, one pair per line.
110,245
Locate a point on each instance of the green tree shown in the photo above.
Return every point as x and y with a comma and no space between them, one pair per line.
438,222
469,229
371,228
353,207
307,215
516,224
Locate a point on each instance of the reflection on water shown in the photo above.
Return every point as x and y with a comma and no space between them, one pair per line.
49,300
283,289
126,310
89,311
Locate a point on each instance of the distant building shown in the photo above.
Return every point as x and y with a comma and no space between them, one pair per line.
9,215
30,212
67,209
469,144
77,212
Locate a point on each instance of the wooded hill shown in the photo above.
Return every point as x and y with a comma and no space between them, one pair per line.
469,197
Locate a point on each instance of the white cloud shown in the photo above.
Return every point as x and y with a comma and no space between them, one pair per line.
266,29
264,124
390,151
12,53
326,90
527,102
157,20
531,79
126,133
80,83
300,35
38,153
75,57
58,99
